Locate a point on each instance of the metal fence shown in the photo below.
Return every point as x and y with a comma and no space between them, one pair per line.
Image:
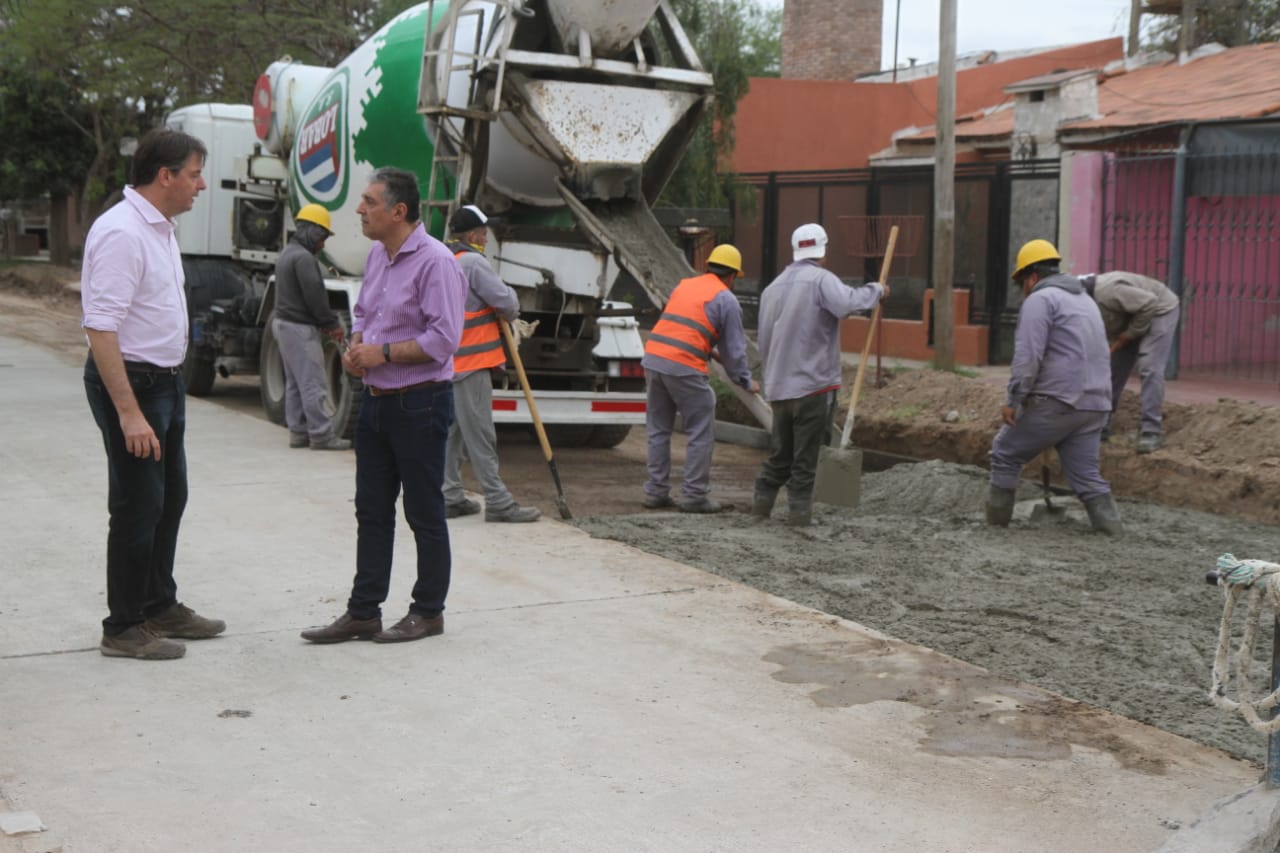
995,204
1206,219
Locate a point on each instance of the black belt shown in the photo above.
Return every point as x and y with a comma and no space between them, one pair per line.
387,392
146,367
140,367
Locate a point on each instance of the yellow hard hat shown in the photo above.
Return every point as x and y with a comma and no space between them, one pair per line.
726,256
315,213
1032,253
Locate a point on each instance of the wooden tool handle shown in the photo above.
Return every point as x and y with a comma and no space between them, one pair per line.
847,434
524,386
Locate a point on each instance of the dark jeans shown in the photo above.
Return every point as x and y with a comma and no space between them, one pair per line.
400,440
800,428
145,498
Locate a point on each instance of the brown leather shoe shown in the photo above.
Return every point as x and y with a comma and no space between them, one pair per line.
415,626
141,643
184,623
344,628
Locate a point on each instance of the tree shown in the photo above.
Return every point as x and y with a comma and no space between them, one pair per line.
736,40
1231,24
42,149
129,62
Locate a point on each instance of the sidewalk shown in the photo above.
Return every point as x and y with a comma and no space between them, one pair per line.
585,696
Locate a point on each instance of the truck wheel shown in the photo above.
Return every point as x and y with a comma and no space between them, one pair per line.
608,435
345,390
271,374
197,374
568,435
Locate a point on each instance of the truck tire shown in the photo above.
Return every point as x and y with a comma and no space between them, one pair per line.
271,374
568,435
608,435
345,390
197,374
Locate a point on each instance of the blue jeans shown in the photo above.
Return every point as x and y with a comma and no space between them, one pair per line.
400,441
145,497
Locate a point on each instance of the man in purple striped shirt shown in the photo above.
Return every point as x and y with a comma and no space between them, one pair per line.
406,326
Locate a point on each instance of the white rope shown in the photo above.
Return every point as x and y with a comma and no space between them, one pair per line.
1259,578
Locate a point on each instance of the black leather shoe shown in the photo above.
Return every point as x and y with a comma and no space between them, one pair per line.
415,626
344,628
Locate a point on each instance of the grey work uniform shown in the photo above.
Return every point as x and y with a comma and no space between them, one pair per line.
472,435
799,340
1060,383
302,312
671,386
1146,312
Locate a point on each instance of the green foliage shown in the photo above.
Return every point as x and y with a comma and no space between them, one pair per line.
736,40
44,148
1232,23
121,66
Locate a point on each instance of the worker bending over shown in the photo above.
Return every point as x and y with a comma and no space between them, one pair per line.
1141,318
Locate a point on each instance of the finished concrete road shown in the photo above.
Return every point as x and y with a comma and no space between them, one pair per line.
585,695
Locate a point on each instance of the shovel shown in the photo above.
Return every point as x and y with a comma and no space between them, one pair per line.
1048,510
561,503
839,475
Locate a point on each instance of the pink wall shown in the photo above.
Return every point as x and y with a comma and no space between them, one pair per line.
1084,251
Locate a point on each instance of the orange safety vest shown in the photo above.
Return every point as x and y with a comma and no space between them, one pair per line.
481,344
684,334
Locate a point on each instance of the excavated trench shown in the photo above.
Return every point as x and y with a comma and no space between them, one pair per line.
1125,624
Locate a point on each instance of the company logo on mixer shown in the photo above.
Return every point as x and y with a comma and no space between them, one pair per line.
321,154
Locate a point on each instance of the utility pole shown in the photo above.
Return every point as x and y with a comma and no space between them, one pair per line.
944,192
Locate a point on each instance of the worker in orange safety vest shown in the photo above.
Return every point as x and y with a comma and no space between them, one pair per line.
702,320
489,302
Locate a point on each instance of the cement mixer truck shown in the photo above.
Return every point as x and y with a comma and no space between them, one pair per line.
565,118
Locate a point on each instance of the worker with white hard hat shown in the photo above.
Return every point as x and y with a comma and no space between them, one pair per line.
302,315
799,340
1059,392
701,320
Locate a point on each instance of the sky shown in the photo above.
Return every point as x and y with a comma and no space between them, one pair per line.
997,25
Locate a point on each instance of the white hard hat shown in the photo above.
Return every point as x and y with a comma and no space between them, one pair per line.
809,241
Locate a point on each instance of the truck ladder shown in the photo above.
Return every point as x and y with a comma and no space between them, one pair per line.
452,147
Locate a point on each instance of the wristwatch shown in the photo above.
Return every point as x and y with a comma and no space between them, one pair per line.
386,353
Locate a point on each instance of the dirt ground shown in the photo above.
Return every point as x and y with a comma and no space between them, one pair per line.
1125,624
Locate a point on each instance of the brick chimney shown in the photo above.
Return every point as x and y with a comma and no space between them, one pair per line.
830,39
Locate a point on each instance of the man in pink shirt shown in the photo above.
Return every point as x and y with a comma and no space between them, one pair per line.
135,317
407,324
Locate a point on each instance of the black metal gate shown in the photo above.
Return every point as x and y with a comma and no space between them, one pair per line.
1206,219
995,204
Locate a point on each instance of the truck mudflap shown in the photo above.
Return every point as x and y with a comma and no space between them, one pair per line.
570,407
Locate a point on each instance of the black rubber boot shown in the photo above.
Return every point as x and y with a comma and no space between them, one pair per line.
800,513
762,502
1000,506
1104,515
